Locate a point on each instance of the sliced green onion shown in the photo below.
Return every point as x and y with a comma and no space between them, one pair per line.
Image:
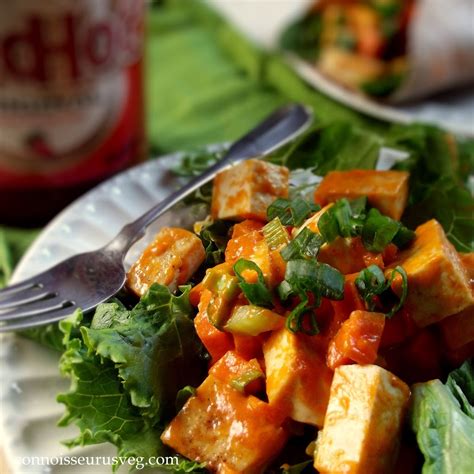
403,237
371,282
240,382
348,219
183,395
358,206
257,293
305,244
275,234
401,271
378,231
250,320
343,219
308,276
343,213
302,319
318,278
284,290
291,212
328,227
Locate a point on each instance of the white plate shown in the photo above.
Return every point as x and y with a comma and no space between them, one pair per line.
29,373
264,20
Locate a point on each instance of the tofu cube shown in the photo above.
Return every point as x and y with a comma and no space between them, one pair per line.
363,421
458,329
438,284
229,431
348,255
170,260
298,380
467,259
385,190
246,190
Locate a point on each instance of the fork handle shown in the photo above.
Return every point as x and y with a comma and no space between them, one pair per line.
275,131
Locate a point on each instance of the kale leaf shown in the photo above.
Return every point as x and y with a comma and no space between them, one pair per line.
126,369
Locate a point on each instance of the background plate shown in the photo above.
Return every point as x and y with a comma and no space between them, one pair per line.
264,20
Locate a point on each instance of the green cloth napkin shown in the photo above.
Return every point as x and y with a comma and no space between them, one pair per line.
205,83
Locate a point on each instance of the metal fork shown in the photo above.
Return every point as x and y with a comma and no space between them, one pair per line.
88,279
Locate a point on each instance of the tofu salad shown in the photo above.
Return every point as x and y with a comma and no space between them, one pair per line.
287,332
299,317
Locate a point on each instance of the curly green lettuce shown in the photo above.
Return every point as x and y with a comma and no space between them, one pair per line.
126,369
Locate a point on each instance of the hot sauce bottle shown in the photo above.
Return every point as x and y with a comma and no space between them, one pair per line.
71,101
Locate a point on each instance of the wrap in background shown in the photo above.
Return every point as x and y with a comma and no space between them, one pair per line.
429,50
440,49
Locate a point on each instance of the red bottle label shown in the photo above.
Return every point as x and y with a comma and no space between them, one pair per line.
71,107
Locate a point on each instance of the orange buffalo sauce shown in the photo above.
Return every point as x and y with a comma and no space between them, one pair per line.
357,340
230,431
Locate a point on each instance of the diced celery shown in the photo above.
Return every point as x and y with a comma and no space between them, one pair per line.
225,289
242,380
275,234
252,320
218,278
